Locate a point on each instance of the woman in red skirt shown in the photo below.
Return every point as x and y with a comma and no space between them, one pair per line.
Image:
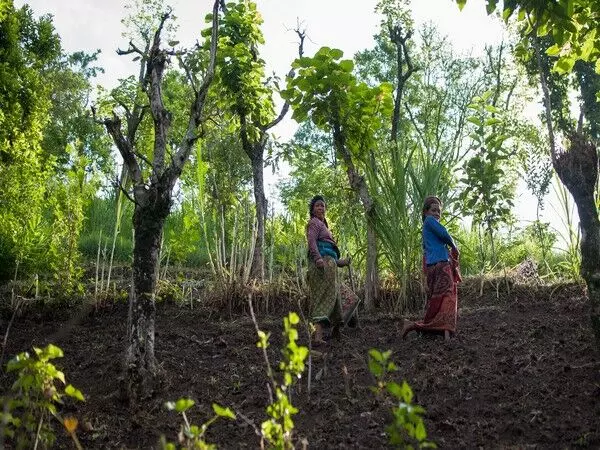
440,261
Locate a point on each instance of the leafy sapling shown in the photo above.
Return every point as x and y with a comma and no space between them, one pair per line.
192,436
34,400
407,429
277,429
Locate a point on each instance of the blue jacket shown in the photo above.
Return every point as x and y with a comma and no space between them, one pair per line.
436,240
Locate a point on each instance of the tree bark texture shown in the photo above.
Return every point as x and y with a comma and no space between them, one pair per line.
359,186
258,259
577,168
140,363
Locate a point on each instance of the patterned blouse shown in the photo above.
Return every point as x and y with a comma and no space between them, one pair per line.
316,230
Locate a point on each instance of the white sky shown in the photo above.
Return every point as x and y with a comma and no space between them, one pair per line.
348,25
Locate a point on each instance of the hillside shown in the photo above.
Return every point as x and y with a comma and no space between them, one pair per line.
522,372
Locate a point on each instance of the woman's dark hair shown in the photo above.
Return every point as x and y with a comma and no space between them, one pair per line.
427,204
311,206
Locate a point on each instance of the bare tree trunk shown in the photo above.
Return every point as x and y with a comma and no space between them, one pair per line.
140,363
400,40
152,194
258,260
372,281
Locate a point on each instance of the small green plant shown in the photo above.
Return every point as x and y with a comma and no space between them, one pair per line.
277,429
192,436
407,429
34,398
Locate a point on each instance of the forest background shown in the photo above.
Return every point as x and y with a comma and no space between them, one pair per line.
195,123
75,212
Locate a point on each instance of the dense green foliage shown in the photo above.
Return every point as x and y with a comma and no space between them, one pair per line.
459,138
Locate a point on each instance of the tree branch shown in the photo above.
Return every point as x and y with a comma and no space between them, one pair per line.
124,191
286,106
132,49
197,107
113,127
157,60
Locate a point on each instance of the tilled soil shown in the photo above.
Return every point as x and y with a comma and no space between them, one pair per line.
522,372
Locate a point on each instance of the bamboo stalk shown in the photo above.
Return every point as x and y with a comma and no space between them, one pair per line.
97,267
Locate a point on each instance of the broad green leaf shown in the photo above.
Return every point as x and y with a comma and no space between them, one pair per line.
53,351
491,6
493,121
223,412
375,368
420,433
564,65
475,120
553,51
347,65
394,389
336,53
181,405
74,392
376,355
59,375
461,4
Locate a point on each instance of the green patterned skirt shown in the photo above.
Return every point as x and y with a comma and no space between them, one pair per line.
330,300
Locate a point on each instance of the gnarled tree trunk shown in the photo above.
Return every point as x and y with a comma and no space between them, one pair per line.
578,170
148,221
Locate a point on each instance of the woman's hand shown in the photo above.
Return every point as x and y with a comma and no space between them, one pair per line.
454,253
343,262
320,263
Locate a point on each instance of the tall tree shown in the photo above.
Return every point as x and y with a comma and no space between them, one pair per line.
27,47
577,168
249,97
326,91
573,28
153,180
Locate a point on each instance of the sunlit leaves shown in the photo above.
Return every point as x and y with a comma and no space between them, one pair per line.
277,429
181,405
488,191
223,412
35,395
241,71
192,436
572,23
408,427
326,90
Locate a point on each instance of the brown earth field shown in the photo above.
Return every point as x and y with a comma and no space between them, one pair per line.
522,372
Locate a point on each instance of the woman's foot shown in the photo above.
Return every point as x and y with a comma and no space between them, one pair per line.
407,327
317,337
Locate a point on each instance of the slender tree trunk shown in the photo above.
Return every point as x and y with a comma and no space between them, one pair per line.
372,281
258,260
359,186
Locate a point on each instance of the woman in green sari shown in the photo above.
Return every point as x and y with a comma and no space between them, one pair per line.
332,303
